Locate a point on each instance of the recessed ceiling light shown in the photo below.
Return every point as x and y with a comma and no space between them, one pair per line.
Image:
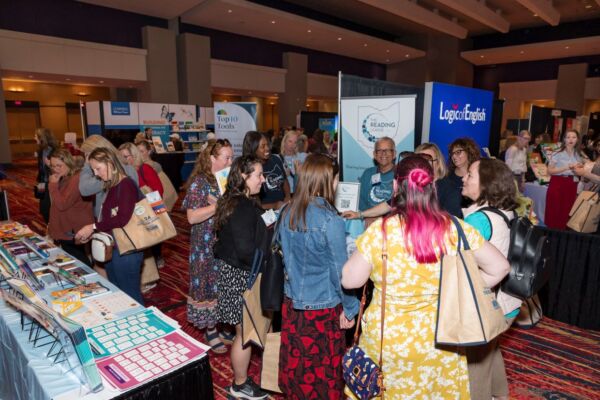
387,60
535,15
273,21
230,11
249,92
481,56
521,52
407,55
588,6
567,47
387,51
30,76
67,79
101,81
365,45
309,31
339,38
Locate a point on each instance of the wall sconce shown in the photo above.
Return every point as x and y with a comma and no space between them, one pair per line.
16,89
82,94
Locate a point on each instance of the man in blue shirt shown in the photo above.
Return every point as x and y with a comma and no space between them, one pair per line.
376,183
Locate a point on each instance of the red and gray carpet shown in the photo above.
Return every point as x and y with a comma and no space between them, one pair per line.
551,361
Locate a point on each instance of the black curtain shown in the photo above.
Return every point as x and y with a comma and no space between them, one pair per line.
572,294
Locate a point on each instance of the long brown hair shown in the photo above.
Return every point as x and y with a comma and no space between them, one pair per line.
236,189
203,165
115,168
46,139
315,179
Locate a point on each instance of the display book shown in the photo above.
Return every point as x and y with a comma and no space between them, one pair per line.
68,343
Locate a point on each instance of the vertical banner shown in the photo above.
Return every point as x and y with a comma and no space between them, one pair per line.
232,121
452,111
327,125
366,119
92,116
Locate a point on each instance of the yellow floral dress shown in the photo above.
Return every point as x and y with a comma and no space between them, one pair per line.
413,367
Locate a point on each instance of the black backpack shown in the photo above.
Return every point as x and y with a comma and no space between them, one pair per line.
528,256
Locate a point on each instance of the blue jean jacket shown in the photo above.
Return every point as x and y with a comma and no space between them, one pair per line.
314,256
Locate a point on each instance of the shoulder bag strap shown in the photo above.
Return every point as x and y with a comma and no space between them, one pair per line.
497,212
384,258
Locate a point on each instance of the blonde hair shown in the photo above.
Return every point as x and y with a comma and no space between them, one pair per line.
440,170
111,159
95,141
285,138
135,153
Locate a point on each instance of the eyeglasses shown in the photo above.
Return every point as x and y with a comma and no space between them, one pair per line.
457,152
384,151
222,142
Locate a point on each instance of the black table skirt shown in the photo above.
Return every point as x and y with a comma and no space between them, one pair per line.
171,164
192,382
572,294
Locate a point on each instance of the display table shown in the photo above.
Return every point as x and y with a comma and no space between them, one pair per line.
573,291
537,193
171,164
27,371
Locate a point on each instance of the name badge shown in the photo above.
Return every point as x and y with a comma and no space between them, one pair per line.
375,179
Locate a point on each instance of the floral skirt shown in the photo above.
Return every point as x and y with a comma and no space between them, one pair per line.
310,359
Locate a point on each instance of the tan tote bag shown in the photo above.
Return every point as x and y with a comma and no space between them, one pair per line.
149,269
585,213
269,373
468,313
169,192
144,229
255,321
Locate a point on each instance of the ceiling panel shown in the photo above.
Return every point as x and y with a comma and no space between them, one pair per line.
250,19
155,8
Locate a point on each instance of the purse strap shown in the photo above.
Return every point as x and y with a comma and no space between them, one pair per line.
384,258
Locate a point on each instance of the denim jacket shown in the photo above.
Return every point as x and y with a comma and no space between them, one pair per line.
314,257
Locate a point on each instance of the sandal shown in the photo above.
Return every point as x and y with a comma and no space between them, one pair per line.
227,337
215,343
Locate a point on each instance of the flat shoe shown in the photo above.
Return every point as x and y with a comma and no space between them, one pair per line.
215,343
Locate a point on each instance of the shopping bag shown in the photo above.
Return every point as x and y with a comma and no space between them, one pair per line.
255,321
144,229
149,269
468,313
585,213
269,373
169,193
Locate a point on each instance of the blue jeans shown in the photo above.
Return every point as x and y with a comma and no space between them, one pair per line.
125,273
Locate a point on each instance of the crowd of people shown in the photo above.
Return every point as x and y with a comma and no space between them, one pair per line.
417,196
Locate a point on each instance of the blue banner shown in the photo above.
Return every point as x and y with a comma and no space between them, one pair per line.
452,111
120,108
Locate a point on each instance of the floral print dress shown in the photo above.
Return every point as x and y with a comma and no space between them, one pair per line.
413,367
204,267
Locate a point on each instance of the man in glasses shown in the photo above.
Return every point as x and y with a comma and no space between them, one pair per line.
376,183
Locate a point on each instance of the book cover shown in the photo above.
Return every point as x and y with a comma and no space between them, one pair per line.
222,176
87,290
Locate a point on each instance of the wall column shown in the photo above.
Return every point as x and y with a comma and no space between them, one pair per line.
570,88
442,63
161,65
193,68
293,100
5,156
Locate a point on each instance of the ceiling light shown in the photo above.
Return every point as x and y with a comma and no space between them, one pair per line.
82,94
249,92
535,15
273,21
365,45
309,31
407,55
387,51
481,56
30,76
101,81
521,52
230,11
567,47
387,60
588,6
67,79
339,38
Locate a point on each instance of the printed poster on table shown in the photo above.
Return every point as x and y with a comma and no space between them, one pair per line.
232,121
366,119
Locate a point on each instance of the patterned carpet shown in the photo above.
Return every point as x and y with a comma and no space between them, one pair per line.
551,361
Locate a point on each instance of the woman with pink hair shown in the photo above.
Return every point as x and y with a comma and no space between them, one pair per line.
418,234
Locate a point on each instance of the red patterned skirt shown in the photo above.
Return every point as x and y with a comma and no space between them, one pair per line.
562,193
310,359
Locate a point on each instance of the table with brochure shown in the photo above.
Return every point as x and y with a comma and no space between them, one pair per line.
68,333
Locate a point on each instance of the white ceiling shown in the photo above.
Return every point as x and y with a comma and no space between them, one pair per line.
405,19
